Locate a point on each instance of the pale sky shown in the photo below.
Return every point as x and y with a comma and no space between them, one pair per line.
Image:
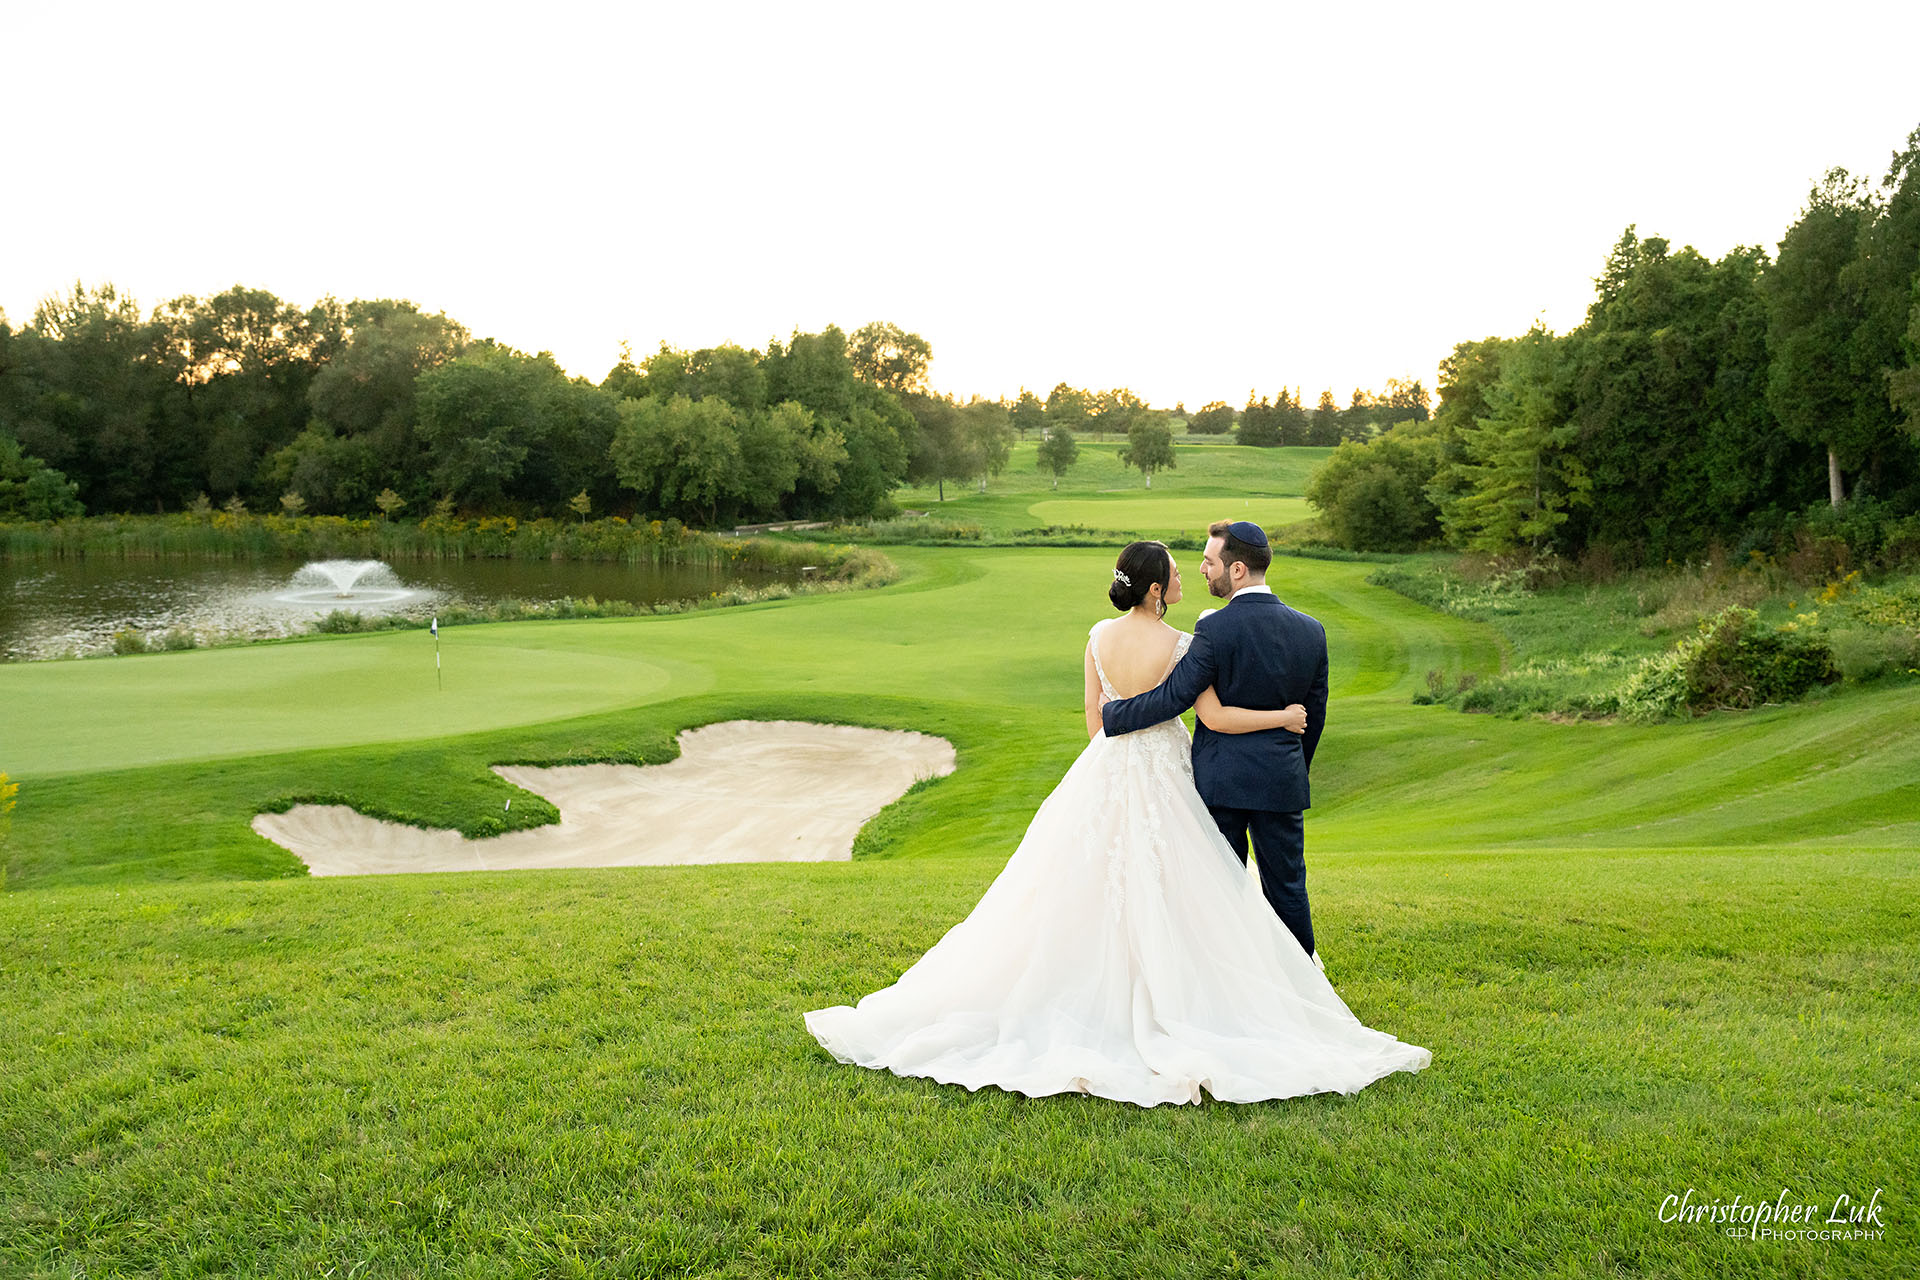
1186,200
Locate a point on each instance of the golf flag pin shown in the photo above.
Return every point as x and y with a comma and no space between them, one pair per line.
434,626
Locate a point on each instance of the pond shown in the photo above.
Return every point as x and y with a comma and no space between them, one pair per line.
72,607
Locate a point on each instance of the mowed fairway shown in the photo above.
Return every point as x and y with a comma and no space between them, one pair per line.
1645,959
1211,481
1190,516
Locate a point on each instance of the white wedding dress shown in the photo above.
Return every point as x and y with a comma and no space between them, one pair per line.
1124,952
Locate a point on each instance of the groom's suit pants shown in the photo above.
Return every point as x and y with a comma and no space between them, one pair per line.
1279,846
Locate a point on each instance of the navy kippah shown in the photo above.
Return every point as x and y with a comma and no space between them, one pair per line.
1248,532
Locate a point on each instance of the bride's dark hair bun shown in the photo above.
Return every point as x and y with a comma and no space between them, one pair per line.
1140,566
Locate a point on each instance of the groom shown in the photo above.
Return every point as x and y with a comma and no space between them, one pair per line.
1255,653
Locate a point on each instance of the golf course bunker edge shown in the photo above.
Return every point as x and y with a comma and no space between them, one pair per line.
741,791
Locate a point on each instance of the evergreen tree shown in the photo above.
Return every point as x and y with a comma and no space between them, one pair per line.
1519,474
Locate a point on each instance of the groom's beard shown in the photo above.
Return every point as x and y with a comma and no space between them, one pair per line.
1220,587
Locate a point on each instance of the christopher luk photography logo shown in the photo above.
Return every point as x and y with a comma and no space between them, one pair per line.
1845,1217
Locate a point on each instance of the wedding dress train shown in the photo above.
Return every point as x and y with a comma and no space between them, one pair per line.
1123,952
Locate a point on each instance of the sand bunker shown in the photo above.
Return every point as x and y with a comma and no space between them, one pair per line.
741,791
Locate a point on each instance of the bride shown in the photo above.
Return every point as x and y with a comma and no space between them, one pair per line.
1124,951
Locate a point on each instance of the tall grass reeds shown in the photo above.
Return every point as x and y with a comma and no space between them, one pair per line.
223,535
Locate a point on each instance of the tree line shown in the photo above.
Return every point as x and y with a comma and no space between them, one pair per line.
1700,402
252,402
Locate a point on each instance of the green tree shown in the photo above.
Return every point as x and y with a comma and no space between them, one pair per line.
1903,385
1813,384
945,449
1058,451
389,502
503,424
1068,407
1373,496
1668,391
989,431
889,357
31,490
1885,275
681,456
366,392
336,474
91,376
1149,446
815,370
1324,427
1028,413
1216,419
875,438
1114,410
1259,423
244,363
1519,474
1356,421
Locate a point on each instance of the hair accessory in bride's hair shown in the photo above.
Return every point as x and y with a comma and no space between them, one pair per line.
1122,578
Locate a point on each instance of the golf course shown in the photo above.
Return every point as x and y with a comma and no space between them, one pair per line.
1647,959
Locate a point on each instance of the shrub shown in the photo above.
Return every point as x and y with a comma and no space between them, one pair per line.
1741,663
127,640
1867,654
1372,497
341,622
1657,688
1734,662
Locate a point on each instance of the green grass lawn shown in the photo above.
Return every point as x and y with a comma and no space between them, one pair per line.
1645,959
1210,481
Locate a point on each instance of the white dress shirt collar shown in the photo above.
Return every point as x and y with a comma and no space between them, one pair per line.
1261,589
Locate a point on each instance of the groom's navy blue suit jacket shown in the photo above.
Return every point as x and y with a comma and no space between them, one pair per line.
1259,653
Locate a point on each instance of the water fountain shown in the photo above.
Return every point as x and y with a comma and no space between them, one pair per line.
340,583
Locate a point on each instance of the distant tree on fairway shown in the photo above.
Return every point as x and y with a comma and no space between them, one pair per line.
1028,413
1356,421
944,449
1114,410
1324,427
1290,418
1215,419
1068,407
1058,451
989,431
1259,423
1149,446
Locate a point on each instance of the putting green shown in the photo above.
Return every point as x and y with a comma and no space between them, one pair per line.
1138,513
204,704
